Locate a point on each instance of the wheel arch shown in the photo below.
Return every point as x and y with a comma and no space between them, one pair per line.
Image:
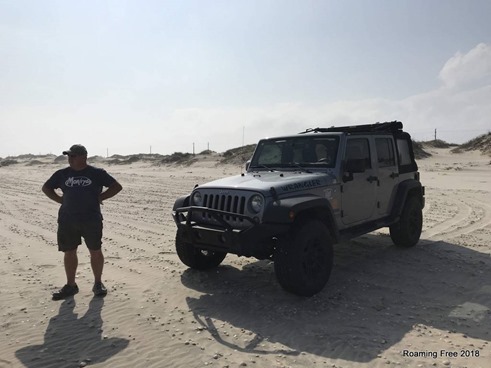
406,189
181,202
300,209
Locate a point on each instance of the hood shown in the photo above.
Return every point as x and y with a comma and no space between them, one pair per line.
282,181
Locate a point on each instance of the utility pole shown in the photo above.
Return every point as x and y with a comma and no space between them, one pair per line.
435,134
193,148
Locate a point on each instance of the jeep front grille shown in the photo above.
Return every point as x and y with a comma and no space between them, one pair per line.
234,203
228,203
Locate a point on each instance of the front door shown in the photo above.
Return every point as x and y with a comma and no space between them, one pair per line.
359,196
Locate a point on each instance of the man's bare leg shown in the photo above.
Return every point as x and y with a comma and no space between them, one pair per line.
97,264
71,263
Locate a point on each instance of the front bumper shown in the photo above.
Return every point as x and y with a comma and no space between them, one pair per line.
252,240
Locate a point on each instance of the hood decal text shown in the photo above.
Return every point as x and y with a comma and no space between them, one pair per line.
302,185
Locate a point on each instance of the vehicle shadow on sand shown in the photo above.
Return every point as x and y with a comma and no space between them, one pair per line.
377,293
70,341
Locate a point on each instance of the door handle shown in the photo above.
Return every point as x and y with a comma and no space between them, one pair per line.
371,179
394,175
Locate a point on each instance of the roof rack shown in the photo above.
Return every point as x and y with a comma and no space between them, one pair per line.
391,126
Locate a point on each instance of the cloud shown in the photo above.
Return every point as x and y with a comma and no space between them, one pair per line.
459,109
468,70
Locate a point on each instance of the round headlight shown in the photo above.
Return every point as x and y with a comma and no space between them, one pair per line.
197,199
257,203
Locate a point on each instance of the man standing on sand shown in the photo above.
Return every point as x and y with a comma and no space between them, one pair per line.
80,215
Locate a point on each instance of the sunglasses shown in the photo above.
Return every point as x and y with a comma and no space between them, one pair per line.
72,156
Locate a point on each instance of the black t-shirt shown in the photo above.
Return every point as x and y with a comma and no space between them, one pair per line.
81,191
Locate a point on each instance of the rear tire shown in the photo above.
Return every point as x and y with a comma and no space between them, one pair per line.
303,262
407,231
196,258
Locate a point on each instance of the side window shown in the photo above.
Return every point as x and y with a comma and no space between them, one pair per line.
359,148
385,152
404,155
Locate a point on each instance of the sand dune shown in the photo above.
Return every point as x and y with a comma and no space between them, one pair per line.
383,306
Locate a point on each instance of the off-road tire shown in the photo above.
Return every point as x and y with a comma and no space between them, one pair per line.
196,258
407,231
303,261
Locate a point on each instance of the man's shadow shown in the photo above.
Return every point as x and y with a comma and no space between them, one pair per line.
70,341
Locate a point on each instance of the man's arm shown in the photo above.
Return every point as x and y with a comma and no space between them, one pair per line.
111,191
51,194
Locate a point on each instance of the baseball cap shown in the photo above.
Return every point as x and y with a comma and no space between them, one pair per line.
76,149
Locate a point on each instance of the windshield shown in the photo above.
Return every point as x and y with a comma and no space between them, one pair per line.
294,152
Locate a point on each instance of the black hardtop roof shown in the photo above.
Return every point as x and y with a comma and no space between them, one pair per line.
391,127
387,127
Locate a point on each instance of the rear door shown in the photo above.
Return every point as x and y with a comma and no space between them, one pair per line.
388,173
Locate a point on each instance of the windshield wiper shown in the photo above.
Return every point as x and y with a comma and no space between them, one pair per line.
264,167
297,165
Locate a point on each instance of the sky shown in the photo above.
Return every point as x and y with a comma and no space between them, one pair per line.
127,77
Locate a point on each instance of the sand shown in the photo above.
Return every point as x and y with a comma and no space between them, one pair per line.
428,306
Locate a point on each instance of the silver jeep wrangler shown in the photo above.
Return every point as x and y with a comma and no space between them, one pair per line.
301,194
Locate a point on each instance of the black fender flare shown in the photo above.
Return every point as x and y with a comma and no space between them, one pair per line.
181,202
403,190
288,210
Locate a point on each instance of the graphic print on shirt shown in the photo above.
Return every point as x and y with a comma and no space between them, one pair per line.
78,181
